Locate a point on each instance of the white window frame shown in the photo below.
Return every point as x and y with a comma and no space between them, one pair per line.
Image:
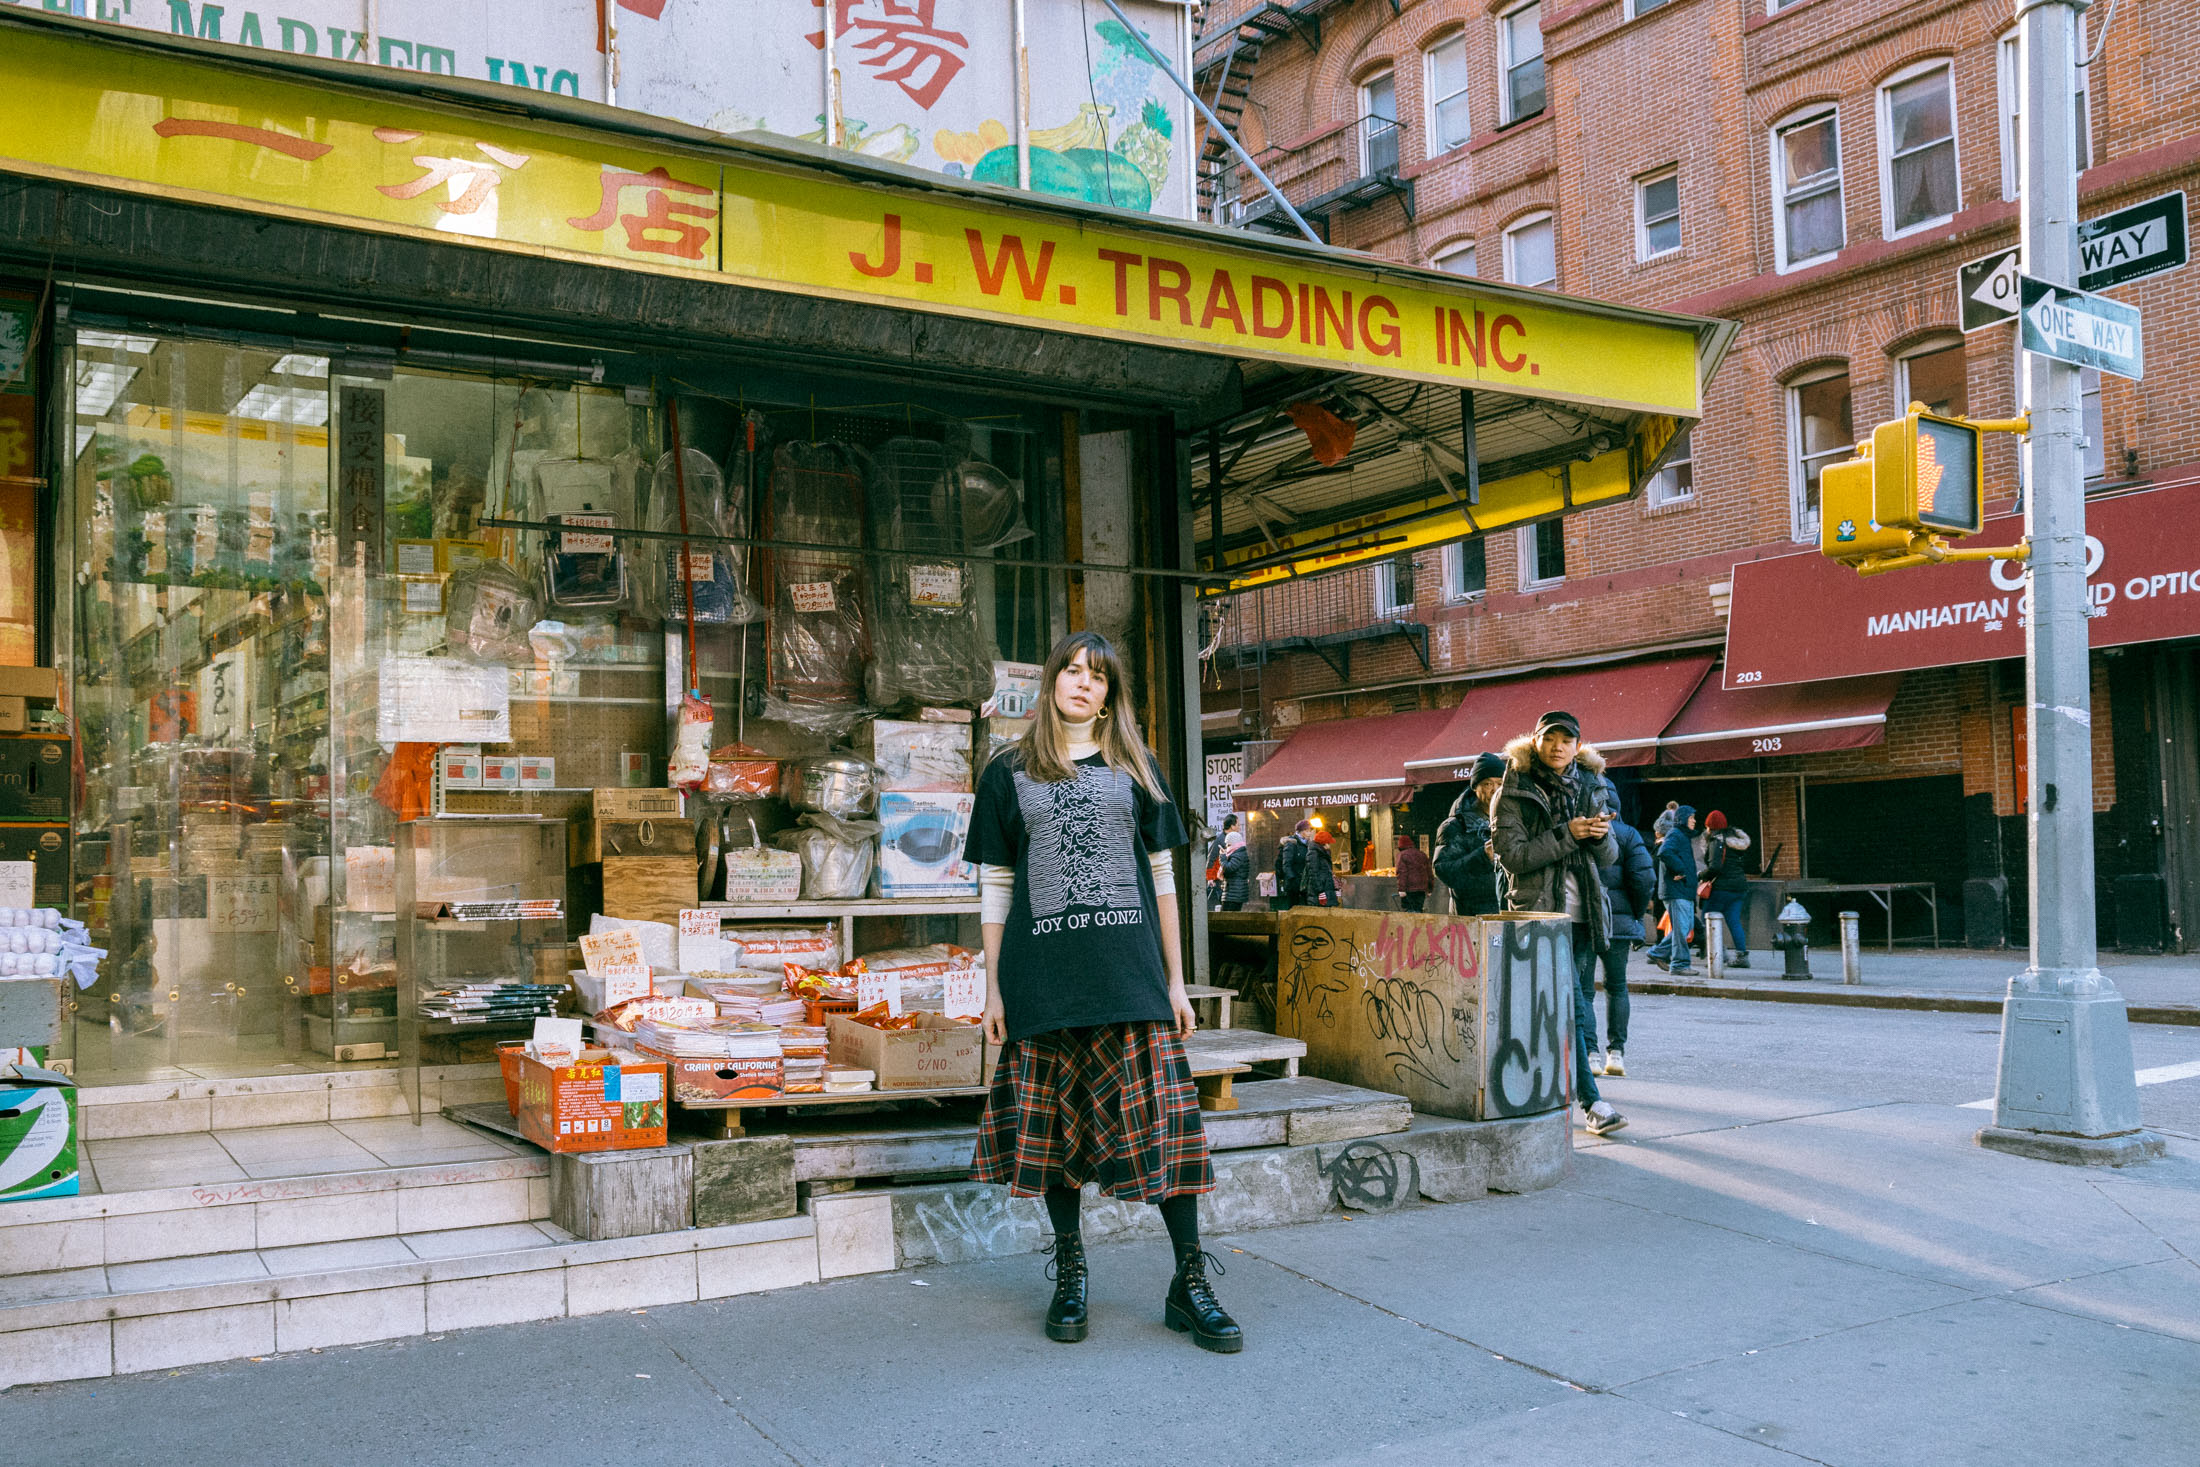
1455,572
1803,522
1887,227
1513,231
1367,112
1636,9
1453,251
1663,488
1803,117
1530,577
1436,143
1931,344
1386,608
1643,252
2009,88
1506,65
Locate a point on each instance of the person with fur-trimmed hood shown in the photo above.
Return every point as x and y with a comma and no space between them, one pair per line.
1553,836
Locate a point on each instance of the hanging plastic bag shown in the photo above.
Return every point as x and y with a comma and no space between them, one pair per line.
927,643
817,641
691,743
488,611
711,571
837,855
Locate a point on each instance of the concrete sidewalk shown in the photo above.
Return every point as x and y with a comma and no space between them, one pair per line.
2156,990
1742,1276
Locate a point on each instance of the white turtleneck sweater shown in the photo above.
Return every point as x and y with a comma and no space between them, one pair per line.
997,884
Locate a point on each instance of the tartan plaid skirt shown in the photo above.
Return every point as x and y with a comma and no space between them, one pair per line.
1113,1104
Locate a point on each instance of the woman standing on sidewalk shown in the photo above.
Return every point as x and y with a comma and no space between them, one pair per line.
1071,836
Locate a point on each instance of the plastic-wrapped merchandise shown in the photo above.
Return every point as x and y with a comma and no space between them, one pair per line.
837,855
837,784
815,648
488,611
768,949
38,942
710,570
739,772
927,643
691,743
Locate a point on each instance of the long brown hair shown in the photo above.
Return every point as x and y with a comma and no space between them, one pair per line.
1045,746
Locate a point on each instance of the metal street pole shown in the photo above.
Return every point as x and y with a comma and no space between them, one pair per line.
2066,1091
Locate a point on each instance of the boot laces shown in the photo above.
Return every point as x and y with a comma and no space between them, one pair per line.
1066,1261
1192,1269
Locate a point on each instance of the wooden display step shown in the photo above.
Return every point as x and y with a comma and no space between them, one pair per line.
1210,1050
1302,1110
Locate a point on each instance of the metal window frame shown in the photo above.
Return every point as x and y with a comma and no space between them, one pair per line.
1437,144
1643,221
1520,226
1798,479
1785,195
1888,155
1507,64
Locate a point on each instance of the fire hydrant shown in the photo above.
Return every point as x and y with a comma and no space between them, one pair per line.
1794,940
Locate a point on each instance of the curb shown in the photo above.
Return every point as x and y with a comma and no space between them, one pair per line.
1841,996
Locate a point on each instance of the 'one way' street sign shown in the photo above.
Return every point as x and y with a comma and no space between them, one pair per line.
2084,330
2132,243
1986,289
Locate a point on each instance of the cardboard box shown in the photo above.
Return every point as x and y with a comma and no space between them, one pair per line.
605,1102
46,847
38,684
460,771
500,772
636,804
34,777
920,849
726,1079
917,755
15,714
37,1135
938,1053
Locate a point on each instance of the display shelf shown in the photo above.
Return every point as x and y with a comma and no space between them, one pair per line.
854,907
944,1092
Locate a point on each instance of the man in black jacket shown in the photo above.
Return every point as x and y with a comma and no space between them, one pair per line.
1553,837
1632,881
1463,859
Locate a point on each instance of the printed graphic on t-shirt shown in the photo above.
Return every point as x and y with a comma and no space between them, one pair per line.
1083,835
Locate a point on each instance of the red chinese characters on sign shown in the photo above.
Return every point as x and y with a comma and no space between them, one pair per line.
469,184
236,132
665,225
898,41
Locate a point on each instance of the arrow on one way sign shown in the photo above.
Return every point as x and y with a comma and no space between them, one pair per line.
1987,289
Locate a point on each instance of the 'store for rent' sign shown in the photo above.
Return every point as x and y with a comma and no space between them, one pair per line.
1800,618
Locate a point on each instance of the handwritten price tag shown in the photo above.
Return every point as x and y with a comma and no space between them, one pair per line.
622,981
601,949
240,903
965,992
877,988
701,950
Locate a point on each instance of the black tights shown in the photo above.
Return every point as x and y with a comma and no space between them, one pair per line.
1179,1214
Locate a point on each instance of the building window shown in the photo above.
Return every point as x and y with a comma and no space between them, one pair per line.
1819,433
1379,125
1394,586
1466,570
1531,252
1643,7
1456,259
1520,61
1917,130
1542,554
2011,79
1677,480
1658,214
1806,182
1447,94
1935,376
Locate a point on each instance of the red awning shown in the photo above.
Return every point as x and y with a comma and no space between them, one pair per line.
1349,761
1622,707
1799,718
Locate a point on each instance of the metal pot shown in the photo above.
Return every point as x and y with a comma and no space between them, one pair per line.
837,784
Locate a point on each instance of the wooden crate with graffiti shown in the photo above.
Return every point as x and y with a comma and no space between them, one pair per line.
1470,1017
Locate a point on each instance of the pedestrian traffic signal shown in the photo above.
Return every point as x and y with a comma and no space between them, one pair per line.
1928,474
1848,526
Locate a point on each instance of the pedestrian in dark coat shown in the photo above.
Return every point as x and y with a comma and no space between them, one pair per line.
1318,871
1553,837
1237,872
1415,875
1291,854
1464,859
1677,885
1726,867
1632,881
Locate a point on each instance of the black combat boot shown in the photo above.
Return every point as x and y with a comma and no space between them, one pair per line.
1067,1320
1191,1305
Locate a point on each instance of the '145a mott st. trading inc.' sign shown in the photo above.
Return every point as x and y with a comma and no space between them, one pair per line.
1799,618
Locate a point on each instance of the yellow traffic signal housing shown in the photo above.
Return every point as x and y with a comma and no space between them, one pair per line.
1847,527
1928,474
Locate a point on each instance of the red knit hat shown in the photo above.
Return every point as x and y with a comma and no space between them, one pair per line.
1716,820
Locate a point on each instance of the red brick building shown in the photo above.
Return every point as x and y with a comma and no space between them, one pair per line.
1816,171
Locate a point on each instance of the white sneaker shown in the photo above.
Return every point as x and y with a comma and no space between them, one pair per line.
1615,1063
1597,1063
1604,1120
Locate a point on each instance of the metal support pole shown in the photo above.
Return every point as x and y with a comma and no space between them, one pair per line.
1852,950
2066,1090
1714,945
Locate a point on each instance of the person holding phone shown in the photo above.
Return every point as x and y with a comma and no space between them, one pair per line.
1552,835
1071,837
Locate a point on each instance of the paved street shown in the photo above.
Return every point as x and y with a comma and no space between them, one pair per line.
1795,1253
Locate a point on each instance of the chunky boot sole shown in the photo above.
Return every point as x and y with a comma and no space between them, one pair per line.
1068,1334
1182,1322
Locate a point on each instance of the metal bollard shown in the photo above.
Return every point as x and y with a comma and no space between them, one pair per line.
1852,955
1714,945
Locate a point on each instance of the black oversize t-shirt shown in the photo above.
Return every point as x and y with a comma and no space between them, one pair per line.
1082,944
